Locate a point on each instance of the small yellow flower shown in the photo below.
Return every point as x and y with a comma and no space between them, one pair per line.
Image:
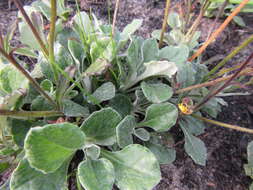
186,106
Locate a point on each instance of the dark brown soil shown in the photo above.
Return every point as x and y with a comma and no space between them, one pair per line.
226,148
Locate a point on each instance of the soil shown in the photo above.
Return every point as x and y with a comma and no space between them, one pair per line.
226,148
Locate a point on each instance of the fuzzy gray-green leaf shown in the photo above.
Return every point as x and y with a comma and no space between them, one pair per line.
160,117
96,174
25,177
135,167
157,92
194,147
100,126
48,147
124,131
105,92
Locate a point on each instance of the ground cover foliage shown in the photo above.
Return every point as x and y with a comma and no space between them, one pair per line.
110,94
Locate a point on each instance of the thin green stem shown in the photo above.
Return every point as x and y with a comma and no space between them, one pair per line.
230,56
33,29
52,38
30,113
221,124
166,14
35,84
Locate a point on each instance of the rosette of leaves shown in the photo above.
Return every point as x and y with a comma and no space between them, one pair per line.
97,102
114,103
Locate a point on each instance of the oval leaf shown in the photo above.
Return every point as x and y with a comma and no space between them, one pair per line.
105,92
92,151
73,109
96,174
142,134
135,167
160,117
26,178
48,147
124,131
195,147
163,154
100,126
156,93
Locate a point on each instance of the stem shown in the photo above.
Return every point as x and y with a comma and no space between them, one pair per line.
191,31
209,96
30,113
33,29
188,13
221,10
210,83
230,56
219,30
52,38
115,17
1,40
35,84
221,124
166,14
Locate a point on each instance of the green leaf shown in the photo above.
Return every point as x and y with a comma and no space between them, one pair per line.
156,93
48,147
194,147
122,104
135,167
160,117
92,151
26,35
77,51
100,126
44,7
83,22
124,131
25,51
239,20
195,126
174,20
142,134
178,54
162,153
47,85
135,54
72,109
25,177
153,68
157,68
150,50
130,29
250,153
105,92
19,129
96,174
97,68
11,79
186,75
41,104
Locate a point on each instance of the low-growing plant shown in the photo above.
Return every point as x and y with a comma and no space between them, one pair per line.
108,96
